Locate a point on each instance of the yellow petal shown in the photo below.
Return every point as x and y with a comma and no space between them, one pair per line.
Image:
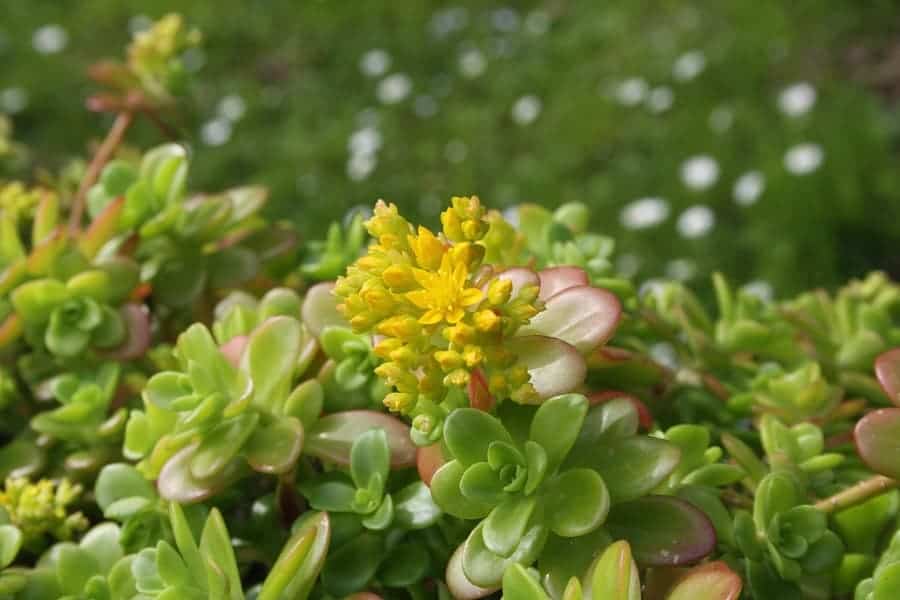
431,317
421,298
470,296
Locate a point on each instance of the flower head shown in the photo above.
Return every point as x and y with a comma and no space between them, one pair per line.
42,509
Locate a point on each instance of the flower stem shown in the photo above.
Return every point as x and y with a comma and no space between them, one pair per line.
104,153
859,493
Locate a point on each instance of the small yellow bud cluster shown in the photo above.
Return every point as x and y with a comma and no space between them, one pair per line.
152,52
438,310
40,509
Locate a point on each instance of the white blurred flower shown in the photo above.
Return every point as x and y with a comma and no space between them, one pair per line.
232,107
689,65
537,22
627,265
375,63
803,159
644,213
50,39
681,269
13,100
748,187
526,109
664,353
361,166
365,141
456,151
631,91
216,132
761,289
472,63
505,19
660,99
394,88
696,221
700,172
796,100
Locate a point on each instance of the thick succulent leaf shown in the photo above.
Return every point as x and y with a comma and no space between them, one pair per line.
276,447
555,367
457,582
887,370
305,402
234,348
35,300
22,457
778,492
506,524
414,507
485,568
519,585
221,444
469,432
332,437
556,279
615,576
582,316
102,229
578,502
481,483
565,558
270,358
351,567
556,425
445,489
428,460
215,547
177,484
301,560
10,543
662,530
74,566
712,581
631,467
877,437
320,309
370,459
118,481
406,564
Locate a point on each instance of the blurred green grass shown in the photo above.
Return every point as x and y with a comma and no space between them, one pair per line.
545,102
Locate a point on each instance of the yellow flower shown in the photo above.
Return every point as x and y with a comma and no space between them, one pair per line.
444,294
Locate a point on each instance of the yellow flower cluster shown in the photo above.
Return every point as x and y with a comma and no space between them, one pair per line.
18,202
39,509
151,53
441,315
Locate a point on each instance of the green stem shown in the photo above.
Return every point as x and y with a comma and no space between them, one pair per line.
859,493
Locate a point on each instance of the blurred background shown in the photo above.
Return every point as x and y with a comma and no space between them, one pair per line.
755,137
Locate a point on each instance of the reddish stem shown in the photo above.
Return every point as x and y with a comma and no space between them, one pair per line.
104,153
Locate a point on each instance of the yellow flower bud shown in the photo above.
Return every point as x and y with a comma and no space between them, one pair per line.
448,359
459,377
399,278
460,334
487,321
499,291
385,347
399,401
473,356
404,355
401,326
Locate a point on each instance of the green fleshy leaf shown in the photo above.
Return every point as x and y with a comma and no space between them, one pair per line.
275,448
777,493
332,493
824,555
408,563
350,567
171,568
382,517
119,480
578,502
301,559
481,484
35,300
537,463
305,402
414,507
556,425
445,488
631,467
332,436
565,558
485,568
74,566
10,543
711,581
615,575
468,433
187,545
370,459
221,444
506,524
215,546
519,585
110,332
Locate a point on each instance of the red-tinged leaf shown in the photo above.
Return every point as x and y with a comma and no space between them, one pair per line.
42,256
556,279
555,366
645,417
137,326
479,395
320,308
878,441
46,217
583,316
233,349
10,329
177,484
428,460
457,582
105,103
333,435
102,229
712,581
519,276
662,530
887,370
364,596
13,275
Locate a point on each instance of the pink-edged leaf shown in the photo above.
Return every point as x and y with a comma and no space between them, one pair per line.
177,484
457,582
887,370
583,316
645,417
102,229
519,276
137,327
479,395
662,530
877,438
275,448
428,460
233,349
556,279
333,435
320,308
712,581
555,366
